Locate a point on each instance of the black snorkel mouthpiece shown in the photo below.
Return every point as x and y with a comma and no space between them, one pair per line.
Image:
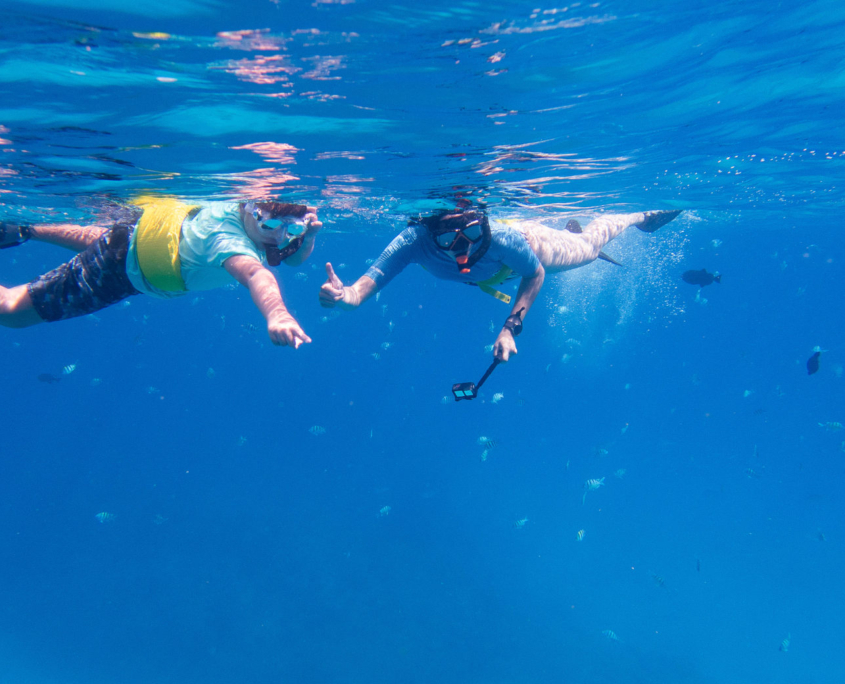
469,390
274,255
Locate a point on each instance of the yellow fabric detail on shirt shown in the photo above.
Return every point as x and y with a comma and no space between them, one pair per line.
157,241
487,286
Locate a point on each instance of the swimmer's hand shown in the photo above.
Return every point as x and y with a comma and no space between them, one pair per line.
331,291
312,223
284,331
312,227
504,346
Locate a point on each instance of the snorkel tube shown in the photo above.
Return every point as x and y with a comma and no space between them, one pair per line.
469,262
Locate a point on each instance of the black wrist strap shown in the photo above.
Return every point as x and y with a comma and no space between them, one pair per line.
514,322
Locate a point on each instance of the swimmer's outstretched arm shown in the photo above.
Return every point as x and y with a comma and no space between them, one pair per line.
281,326
505,344
333,293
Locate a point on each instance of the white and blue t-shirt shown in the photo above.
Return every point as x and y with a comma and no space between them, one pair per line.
208,238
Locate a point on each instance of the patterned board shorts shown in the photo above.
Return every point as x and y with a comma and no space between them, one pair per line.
92,280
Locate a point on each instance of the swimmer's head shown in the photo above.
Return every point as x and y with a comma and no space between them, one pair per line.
459,233
279,228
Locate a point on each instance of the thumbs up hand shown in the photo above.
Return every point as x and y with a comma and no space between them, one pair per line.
331,291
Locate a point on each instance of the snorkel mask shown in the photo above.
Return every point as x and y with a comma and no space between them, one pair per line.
456,233
271,216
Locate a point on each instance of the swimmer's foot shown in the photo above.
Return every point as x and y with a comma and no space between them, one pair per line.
13,234
656,219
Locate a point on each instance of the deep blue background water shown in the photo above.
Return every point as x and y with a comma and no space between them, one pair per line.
246,549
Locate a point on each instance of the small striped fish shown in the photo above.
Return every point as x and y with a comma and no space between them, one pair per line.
67,370
498,397
520,524
317,430
104,517
580,535
486,442
784,645
591,486
833,426
610,635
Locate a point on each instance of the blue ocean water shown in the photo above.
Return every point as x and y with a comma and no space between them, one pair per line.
241,546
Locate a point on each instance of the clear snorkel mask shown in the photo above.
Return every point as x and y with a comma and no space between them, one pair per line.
294,229
293,226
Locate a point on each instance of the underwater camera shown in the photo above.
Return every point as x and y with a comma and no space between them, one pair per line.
469,390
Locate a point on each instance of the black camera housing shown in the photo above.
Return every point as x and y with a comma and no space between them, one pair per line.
464,390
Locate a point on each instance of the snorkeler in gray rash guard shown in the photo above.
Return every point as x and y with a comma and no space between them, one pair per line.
465,246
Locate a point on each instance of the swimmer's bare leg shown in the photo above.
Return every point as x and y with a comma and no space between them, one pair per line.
561,250
69,235
16,310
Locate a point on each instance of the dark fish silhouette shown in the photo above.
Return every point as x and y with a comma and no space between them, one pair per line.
49,378
813,363
701,278
574,227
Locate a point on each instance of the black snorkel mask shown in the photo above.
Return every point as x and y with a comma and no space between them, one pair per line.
457,233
